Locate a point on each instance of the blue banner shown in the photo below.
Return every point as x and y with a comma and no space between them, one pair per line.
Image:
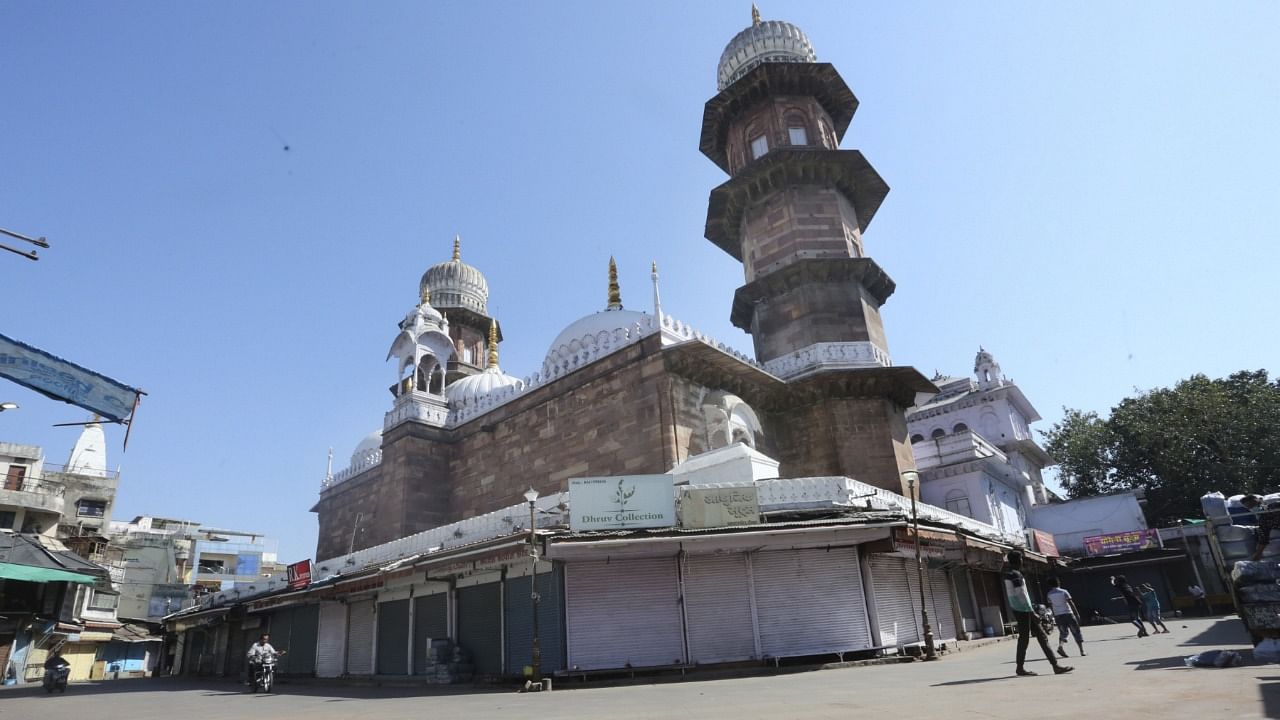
64,380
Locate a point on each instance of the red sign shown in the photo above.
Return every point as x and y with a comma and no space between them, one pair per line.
1124,542
299,575
1045,543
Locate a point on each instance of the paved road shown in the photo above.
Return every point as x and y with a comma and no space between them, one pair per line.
1122,677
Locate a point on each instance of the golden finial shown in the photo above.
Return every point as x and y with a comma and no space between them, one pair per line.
755,14
425,296
615,293
457,248
493,343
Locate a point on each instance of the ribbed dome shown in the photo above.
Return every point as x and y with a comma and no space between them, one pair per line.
368,448
474,387
456,284
762,42
597,330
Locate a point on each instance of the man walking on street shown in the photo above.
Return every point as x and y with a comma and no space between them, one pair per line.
1133,602
1015,589
1068,617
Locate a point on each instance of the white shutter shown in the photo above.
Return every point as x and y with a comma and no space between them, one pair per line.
717,606
810,602
625,612
941,615
360,626
896,592
331,640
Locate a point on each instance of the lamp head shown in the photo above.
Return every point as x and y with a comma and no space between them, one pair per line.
530,495
8,406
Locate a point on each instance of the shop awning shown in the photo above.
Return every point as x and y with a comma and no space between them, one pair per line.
30,573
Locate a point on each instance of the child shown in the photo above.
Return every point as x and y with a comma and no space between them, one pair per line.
1066,614
1153,607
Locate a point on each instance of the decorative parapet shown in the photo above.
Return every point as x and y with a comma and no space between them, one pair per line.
370,459
828,356
417,406
583,351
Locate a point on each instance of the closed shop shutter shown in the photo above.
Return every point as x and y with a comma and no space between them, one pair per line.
623,613
393,637
360,628
717,598
331,641
810,602
304,621
519,623
897,606
942,617
430,622
480,626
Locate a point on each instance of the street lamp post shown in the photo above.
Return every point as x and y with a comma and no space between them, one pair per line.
536,660
930,653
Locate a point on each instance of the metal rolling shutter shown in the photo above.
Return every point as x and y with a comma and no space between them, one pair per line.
717,598
519,623
360,624
430,622
810,602
480,626
897,607
942,617
300,641
331,642
393,637
624,613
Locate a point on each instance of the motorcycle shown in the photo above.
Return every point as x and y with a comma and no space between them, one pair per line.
1048,623
263,673
56,679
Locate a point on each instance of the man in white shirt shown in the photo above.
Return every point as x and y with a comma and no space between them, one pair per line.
1067,615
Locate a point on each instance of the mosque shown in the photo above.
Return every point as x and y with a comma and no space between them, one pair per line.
622,391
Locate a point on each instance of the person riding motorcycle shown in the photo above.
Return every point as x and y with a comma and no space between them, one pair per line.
56,670
259,653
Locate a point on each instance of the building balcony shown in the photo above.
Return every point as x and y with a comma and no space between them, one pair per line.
954,448
37,495
112,475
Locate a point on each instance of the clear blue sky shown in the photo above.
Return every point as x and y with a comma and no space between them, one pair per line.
1090,190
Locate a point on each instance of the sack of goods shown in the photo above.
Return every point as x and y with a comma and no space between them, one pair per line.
1215,659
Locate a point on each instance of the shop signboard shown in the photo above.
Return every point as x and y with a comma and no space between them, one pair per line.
622,502
299,575
1045,543
934,544
719,507
1121,542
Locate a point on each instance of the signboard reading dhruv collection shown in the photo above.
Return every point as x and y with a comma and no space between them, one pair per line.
719,507
1122,542
620,502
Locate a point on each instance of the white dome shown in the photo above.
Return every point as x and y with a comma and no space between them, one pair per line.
766,41
472,388
602,330
371,444
455,284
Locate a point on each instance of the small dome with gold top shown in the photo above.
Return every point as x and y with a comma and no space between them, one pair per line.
455,284
764,41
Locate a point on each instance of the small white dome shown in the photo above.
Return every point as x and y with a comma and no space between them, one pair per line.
603,329
766,41
474,387
370,445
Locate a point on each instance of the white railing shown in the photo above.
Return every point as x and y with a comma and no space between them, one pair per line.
368,460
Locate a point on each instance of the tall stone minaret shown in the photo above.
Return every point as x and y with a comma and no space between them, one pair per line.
793,213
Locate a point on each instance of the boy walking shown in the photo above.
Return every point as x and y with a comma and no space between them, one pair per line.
1152,603
1067,615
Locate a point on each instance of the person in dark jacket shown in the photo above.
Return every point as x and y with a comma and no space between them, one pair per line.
1133,602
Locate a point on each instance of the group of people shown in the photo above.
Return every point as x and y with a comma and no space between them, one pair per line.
1142,602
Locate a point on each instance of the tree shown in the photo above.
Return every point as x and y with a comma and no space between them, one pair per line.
1176,444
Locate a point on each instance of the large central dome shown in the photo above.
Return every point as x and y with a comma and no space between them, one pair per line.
456,284
764,41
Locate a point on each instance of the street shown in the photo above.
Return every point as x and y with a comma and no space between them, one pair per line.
1122,676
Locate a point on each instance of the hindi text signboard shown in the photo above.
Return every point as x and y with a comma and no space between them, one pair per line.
619,502
1045,543
719,507
1121,542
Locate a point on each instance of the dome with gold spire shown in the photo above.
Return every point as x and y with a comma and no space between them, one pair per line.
455,284
764,41
599,330
473,388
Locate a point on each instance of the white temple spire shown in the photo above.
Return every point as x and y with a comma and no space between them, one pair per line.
657,299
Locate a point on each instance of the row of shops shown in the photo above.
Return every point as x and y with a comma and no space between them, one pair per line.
612,601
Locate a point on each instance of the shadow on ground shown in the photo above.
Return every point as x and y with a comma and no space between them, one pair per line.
1224,633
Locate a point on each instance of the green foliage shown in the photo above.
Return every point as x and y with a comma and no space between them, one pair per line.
1176,444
